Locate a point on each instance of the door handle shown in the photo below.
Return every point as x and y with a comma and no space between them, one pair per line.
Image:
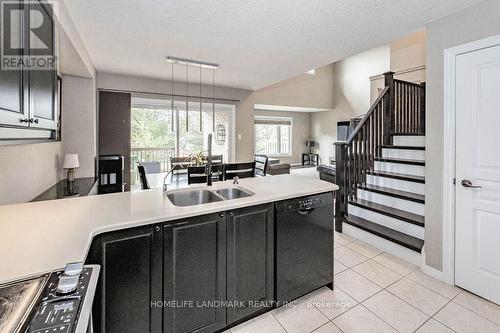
468,183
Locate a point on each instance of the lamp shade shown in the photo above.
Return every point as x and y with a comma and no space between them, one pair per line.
71,161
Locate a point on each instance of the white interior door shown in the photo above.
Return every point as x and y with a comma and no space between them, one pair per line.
477,239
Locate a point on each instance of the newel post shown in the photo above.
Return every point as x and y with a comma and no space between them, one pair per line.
422,108
340,180
389,108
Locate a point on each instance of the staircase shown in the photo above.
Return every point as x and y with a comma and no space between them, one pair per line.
380,170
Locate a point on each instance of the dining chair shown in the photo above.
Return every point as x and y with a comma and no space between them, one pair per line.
196,174
261,162
151,167
142,177
240,170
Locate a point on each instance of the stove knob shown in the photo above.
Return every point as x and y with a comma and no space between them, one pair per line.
74,268
67,284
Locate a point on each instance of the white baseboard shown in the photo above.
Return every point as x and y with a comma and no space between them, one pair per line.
383,244
437,274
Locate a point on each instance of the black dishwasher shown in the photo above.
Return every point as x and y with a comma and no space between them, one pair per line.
304,245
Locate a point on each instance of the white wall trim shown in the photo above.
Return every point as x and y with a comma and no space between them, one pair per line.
449,156
401,72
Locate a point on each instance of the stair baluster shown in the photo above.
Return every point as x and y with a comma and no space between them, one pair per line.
399,109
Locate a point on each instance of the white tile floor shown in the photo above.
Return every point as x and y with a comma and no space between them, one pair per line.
377,292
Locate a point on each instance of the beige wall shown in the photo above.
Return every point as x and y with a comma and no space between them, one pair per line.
315,91
473,23
351,91
28,170
301,131
79,122
408,57
138,84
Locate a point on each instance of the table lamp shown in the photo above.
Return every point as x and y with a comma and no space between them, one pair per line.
70,163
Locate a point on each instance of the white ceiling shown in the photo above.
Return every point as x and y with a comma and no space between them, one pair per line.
256,43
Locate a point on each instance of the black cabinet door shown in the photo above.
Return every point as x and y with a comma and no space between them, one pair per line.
195,274
42,83
12,110
130,282
250,260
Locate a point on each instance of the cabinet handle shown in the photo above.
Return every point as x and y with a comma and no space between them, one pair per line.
33,121
157,228
231,214
221,215
25,120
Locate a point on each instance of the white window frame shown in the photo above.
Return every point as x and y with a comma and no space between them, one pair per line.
290,119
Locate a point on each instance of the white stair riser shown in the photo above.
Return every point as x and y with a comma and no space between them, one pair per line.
407,169
396,184
383,244
406,205
387,221
408,140
407,154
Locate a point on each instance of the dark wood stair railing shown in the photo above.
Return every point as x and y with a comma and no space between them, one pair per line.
399,109
409,108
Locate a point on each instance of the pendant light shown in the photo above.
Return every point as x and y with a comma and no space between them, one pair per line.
172,99
201,65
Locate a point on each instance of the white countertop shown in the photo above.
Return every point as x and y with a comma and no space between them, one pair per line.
41,236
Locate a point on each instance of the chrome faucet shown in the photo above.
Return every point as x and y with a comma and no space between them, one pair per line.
208,168
165,178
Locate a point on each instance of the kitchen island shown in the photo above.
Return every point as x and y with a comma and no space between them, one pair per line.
126,230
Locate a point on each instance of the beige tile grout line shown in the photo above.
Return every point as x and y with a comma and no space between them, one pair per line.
460,305
279,323
405,276
383,288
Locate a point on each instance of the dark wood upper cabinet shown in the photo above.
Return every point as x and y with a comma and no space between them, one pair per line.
12,110
27,96
250,259
195,274
130,280
42,83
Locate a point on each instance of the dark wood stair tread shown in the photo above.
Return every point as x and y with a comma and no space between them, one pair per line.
400,176
401,161
415,197
389,234
390,211
408,134
403,147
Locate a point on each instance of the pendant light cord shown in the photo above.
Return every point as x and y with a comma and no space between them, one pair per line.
187,101
213,99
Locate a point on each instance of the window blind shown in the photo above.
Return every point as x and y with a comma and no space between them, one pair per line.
263,121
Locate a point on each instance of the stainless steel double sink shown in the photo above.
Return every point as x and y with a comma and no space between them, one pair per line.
193,197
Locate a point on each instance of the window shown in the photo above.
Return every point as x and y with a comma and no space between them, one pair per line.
158,133
273,136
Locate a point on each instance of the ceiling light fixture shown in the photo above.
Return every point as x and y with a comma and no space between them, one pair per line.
311,72
191,62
